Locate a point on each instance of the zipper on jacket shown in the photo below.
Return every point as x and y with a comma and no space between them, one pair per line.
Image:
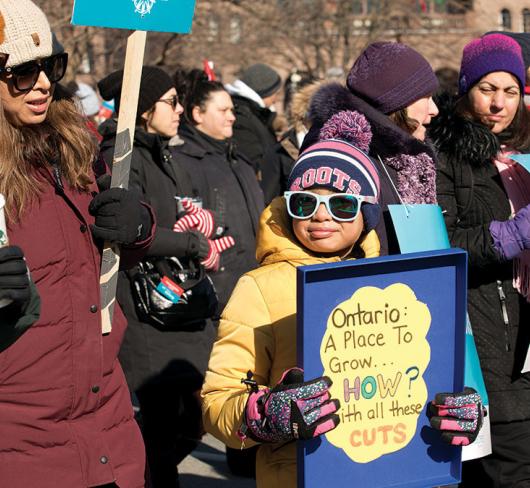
502,298
58,182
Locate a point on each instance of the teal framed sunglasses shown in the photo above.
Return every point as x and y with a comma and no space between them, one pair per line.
343,207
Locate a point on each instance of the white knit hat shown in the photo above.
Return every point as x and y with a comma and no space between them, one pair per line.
25,33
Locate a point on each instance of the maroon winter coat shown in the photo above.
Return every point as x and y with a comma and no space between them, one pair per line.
65,412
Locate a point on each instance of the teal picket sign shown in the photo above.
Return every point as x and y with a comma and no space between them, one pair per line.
522,159
422,228
145,15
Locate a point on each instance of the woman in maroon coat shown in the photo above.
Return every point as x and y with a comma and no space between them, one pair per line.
65,412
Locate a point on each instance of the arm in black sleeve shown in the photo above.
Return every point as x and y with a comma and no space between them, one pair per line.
476,240
180,244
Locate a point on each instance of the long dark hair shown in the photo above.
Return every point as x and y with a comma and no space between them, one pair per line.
516,136
196,90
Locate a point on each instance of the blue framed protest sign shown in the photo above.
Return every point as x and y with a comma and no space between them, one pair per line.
390,333
144,15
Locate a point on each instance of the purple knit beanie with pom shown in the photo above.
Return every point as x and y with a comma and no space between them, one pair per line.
339,162
390,76
490,53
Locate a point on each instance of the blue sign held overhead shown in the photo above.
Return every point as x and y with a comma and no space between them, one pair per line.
146,15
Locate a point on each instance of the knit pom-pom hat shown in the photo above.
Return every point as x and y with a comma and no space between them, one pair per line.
339,164
490,53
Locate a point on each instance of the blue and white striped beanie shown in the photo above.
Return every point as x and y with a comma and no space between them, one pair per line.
339,165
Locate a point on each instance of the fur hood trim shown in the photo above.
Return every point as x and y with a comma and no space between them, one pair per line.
388,139
460,139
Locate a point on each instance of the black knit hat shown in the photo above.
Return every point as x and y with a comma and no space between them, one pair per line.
262,79
155,82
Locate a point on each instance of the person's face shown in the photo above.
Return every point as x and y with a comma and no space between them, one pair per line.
422,111
271,99
494,100
217,118
324,235
23,108
164,117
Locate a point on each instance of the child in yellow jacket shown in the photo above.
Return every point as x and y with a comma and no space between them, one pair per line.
328,215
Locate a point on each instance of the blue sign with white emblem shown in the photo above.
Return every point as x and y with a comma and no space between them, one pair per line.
145,15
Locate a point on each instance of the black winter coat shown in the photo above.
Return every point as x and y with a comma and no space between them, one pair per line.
388,140
149,355
279,159
253,132
471,193
228,186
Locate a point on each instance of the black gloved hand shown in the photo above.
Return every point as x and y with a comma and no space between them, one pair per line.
120,217
14,281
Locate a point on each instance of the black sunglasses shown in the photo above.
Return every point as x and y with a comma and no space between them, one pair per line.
25,75
173,101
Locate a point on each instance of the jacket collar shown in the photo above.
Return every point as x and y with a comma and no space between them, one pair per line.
461,139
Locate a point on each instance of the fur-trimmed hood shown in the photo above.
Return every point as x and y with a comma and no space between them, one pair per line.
460,139
388,139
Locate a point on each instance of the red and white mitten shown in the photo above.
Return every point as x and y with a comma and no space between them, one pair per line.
196,218
211,262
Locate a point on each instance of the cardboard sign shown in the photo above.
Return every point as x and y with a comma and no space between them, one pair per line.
145,15
390,333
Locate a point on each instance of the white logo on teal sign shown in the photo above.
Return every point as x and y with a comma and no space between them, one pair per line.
143,7
3,238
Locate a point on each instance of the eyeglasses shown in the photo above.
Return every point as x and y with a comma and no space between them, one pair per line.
343,207
173,101
24,76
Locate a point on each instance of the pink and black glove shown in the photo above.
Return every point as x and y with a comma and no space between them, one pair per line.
459,416
199,219
510,237
293,409
211,261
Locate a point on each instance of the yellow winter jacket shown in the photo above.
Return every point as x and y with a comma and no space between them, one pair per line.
257,333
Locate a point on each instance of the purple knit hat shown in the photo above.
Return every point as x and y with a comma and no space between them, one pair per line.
493,52
390,76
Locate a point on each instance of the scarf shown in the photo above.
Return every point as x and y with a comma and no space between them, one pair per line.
516,182
416,177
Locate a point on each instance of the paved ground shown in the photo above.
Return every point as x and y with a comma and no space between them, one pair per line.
206,468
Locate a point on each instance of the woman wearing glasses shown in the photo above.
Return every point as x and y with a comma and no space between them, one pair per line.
65,413
163,367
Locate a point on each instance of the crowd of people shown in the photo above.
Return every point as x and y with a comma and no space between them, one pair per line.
222,206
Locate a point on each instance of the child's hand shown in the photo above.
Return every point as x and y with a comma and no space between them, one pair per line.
459,416
293,409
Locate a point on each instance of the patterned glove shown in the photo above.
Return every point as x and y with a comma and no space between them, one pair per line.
197,218
458,416
211,261
293,409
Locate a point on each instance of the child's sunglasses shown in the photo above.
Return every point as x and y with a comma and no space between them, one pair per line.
25,75
343,207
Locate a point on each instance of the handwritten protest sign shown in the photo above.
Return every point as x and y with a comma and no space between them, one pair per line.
378,332
140,16
389,332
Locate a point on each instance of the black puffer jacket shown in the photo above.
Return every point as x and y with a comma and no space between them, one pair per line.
471,194
227,185
388,141
149,355
253,132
